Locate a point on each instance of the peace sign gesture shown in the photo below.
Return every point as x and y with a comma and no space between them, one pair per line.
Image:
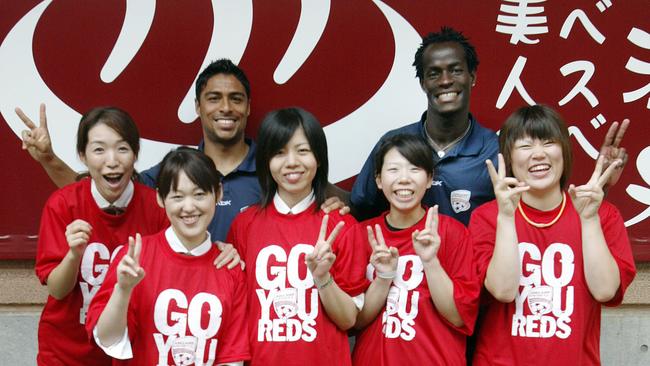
36,140
129,272
321,259
383,258
427,242
507,190
588,197
612,152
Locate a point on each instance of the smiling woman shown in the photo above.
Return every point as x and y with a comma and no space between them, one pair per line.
82,225
549,257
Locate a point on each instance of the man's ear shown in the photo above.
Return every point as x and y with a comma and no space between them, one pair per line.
378,181
430,183
159,200
82,157
196,107
473,75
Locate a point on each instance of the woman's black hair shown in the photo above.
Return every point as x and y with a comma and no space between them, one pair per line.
276,130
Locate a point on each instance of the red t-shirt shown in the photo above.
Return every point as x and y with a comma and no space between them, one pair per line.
410,331
287,323
554,320
62,339
184,310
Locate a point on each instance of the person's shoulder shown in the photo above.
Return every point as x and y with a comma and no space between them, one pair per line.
608,209
450,222
410,129
490,208
67,194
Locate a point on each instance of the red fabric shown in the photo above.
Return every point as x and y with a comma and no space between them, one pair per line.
62,339
179,289
273,246
415,333
568,333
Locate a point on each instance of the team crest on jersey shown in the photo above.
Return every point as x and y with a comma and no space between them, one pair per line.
184,350
540,300
460,200
285,303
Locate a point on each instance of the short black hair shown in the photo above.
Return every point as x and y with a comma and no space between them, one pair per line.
537,122
198,167
446,34
411,147
276,130
221,66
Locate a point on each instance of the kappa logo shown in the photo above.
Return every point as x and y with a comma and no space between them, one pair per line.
460,200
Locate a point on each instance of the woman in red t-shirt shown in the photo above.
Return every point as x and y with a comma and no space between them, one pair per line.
421,304
82,226
548,257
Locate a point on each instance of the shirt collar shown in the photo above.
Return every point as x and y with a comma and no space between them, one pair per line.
248,164
121,202
301,206
469,145
178,247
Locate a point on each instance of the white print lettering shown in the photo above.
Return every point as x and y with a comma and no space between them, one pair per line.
399,319
172,326
544,291
295,306
94,265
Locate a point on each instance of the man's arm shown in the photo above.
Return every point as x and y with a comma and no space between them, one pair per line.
36,140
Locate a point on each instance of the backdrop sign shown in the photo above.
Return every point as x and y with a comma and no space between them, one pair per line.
348,62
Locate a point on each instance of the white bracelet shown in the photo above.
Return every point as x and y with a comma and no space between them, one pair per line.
387,275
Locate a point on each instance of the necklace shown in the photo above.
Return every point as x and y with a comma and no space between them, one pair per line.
442,151
536,224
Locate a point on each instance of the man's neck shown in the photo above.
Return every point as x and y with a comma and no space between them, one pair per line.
444,129
226,157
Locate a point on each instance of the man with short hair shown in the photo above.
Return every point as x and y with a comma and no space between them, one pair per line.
446,66
223,106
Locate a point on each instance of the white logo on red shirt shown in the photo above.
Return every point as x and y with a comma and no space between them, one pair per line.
543,292
94,265
203,325
295,306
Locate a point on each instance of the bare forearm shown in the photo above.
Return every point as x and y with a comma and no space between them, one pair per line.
601,271
112,323
338,305
63,277
441,289
58,171
374,301
502,277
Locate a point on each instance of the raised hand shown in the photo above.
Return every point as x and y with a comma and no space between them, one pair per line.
612,151
588,197
36,140
321,259
129,272
334,203
507,190
228,255
77,234
383,258
427,242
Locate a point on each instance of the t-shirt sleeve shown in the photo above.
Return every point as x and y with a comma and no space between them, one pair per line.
52,244
104,293
233,343
482,229
619,245
350,265
237,233
460,268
